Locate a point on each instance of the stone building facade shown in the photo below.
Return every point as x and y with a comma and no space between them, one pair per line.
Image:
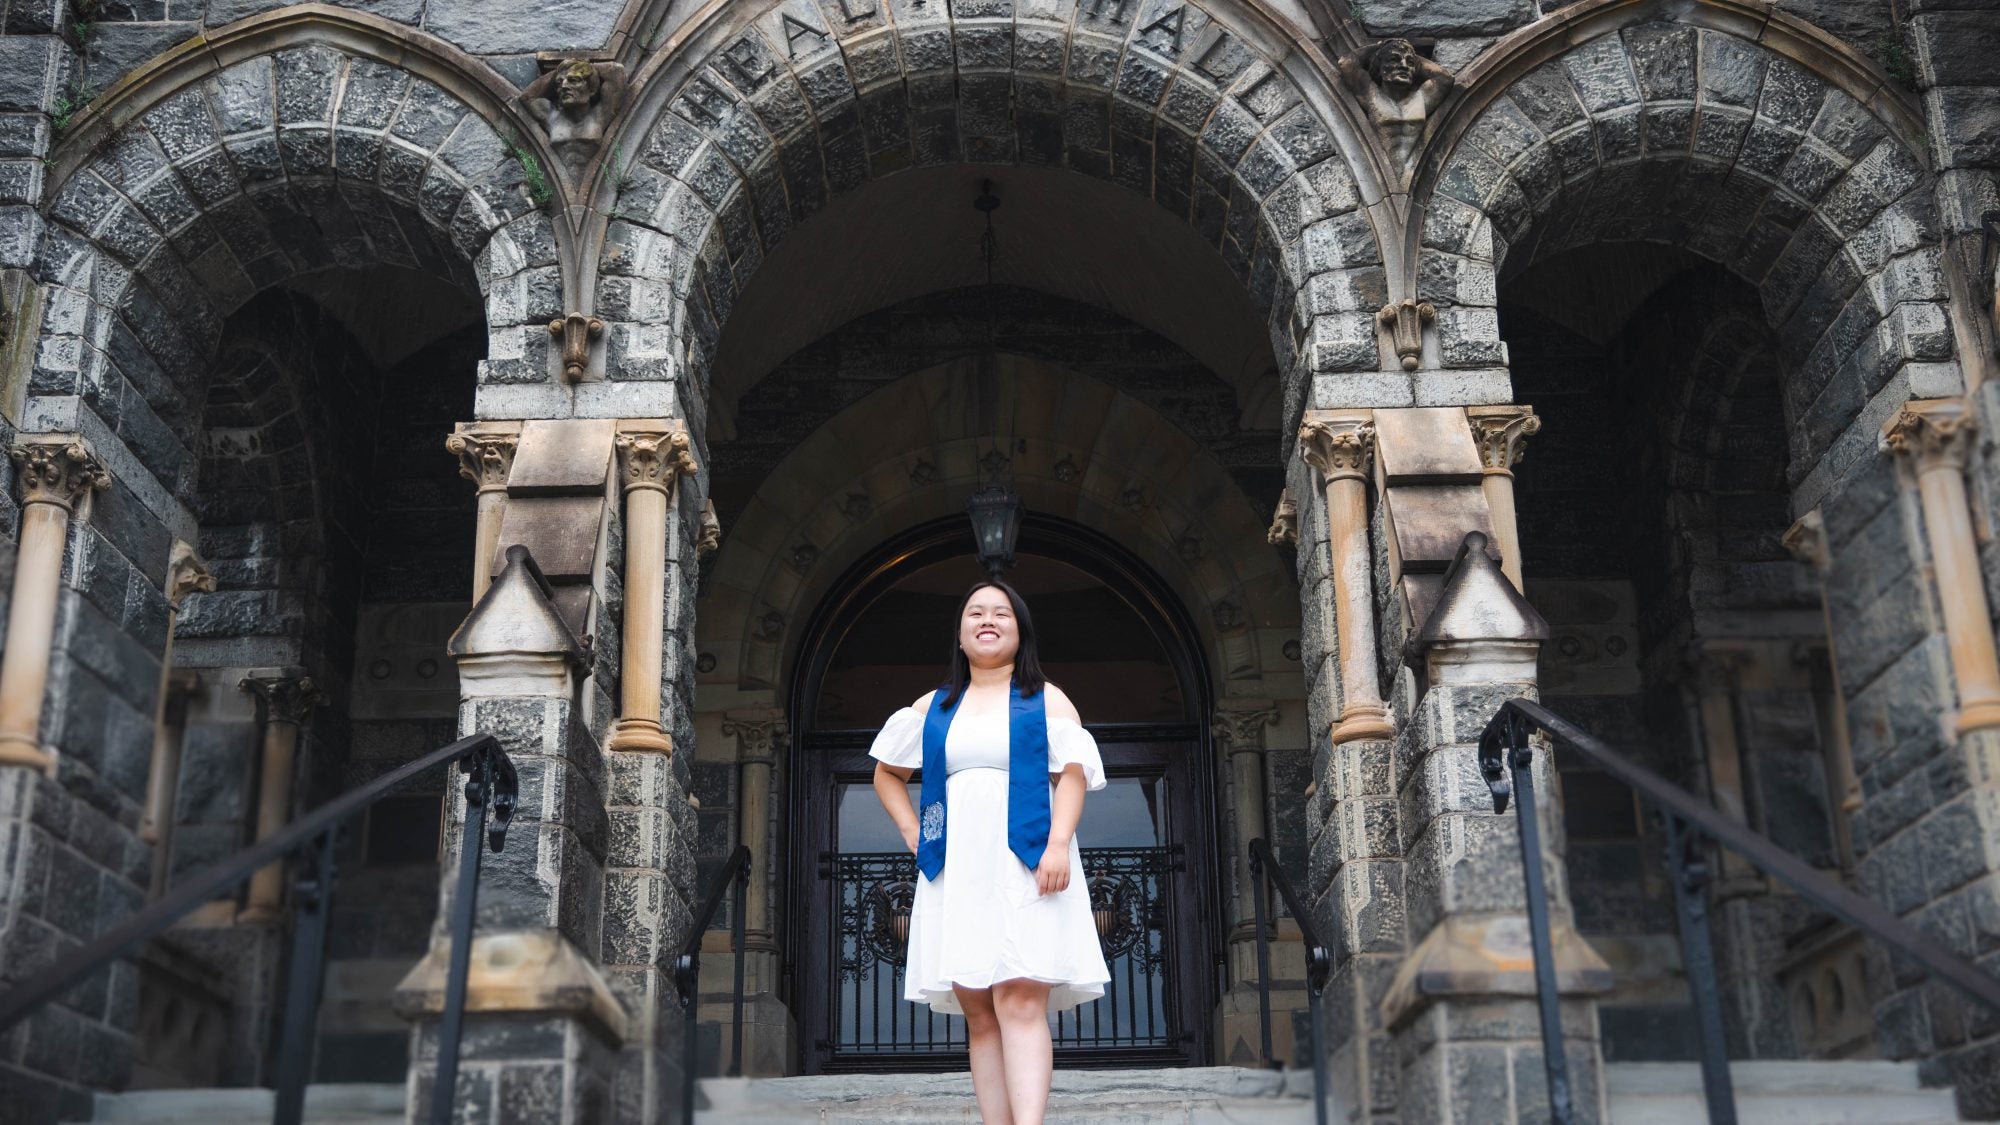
311,312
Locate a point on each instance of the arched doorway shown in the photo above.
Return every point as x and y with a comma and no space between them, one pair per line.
1126,651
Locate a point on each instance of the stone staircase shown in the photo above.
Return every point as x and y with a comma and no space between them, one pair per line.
345,1104
1767,1093
1211,1095
1781,1093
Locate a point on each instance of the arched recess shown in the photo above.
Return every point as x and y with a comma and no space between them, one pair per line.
1726,129
307,140
756,117
914,450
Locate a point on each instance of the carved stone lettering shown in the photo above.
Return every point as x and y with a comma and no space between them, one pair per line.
1169,25
1096,8
796,30
748,64
705,100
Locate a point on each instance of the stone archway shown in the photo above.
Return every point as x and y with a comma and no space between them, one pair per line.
1806,178
755,120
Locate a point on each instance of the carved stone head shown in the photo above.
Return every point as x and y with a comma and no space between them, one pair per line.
577,85
1394,67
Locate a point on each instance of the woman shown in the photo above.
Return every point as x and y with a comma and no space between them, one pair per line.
1002,931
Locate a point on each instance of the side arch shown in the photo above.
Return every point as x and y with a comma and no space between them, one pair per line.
1737,133
304,140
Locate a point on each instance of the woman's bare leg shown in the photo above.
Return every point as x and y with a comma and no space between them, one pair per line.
1022,1007
989,1075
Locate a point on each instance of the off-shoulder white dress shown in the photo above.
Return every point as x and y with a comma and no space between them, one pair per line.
982,920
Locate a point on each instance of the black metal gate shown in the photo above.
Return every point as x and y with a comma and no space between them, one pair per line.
1131,896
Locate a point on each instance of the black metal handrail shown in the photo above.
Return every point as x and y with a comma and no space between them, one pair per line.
1265,873
687,971
1506,757
492,772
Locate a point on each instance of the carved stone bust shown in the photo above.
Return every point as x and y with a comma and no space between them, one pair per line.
1400,88
575,102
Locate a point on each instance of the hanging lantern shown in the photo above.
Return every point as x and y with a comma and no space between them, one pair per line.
996,520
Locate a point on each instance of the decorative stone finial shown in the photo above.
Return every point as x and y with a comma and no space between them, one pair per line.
1405,321
574,102
576,331
514,642
1400,89
60,472
1284,521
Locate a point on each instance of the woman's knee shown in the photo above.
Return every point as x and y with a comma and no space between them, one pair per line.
977,1006
1020,1002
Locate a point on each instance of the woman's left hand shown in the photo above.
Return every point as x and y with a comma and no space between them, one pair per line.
1053,873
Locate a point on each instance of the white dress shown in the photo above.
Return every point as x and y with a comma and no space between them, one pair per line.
982,920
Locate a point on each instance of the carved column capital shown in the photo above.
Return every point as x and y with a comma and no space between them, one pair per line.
286,699
1500,433
1284,521
59,471
186,574
1806,540
655,460
757,734
483,458
1933,433
1240,729
1340,448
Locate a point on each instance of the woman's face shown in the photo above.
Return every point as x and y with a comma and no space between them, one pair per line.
987,630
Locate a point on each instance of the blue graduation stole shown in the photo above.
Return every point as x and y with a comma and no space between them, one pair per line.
1027,780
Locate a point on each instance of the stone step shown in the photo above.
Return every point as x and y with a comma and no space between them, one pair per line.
331,1104
1781,1093
1213,1095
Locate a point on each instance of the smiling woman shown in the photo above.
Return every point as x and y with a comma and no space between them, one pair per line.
1005,937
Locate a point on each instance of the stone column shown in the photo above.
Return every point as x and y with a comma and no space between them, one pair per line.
1238,728
1340,448
484,458
56,473
1806,540
542,1023
1500,431
1936,437
285,702
767,1022
650,465
186,574
1462,1004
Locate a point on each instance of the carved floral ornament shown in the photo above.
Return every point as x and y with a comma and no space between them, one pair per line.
57,472
756,737
1239,729
655,460
286,699
1339,449
484,459
1500,437
1934,435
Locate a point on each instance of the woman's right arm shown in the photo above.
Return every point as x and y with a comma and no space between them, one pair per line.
892,788
892,785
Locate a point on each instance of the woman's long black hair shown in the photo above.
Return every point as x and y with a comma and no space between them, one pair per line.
1027,659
